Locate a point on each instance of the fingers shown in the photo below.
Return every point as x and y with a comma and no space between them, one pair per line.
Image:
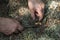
40,15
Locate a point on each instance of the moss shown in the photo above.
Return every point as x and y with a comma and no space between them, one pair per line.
19,11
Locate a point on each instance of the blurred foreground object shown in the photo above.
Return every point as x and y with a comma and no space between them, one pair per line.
37,9
8,26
